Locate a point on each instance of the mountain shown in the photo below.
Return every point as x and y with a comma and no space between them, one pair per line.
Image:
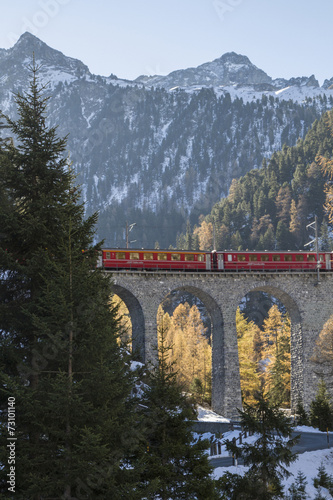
161,150
229,69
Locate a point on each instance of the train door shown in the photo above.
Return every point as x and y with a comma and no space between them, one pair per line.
328,261
214,260
208,261
220,261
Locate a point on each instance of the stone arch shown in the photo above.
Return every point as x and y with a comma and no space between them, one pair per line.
137,317
296,340
224,401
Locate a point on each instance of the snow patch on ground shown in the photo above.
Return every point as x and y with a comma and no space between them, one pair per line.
307,463
206,415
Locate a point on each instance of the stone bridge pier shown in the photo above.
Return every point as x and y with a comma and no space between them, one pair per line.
309,306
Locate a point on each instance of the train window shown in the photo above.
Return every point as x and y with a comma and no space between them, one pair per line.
229,258
276,258
162,256
108,255
120,255
189,257
288,258
175,256
201,258
134,255
311,258
148,256
253,257
241,258
264,258
299,258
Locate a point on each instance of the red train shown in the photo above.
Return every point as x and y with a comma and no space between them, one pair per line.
179,260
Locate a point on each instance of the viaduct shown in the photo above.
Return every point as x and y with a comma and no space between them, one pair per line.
308,303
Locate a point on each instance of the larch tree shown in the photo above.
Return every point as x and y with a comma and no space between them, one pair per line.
60,359
283,203
190,349
276,332
205,234
125,323
249,358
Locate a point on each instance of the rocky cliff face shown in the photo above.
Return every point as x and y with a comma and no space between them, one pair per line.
157,155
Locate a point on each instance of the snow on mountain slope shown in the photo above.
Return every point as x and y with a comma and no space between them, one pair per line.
163,149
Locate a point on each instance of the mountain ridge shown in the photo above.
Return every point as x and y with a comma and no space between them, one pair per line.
229,69
157,154
233,66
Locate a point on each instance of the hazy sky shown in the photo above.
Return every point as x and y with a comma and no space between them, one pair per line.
284,38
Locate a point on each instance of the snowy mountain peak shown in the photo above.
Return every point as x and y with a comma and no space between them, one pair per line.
229,69
28,47
234,68
26,40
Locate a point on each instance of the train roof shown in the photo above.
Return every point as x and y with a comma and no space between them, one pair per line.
164,250
154,250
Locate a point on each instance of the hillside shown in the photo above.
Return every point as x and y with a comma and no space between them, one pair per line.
157,155
269,208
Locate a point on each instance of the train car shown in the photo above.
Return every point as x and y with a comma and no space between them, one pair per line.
169,260
155,260
275,261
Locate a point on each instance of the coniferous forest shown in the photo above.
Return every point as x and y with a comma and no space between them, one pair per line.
269,208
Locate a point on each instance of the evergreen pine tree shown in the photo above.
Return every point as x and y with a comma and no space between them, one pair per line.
297,490
283,238
321,414
174,466
323,480
270,455
302,416
325,241
60,357
188,237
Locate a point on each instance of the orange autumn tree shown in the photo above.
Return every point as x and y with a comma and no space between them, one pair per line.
264,357
204,232
276,335
124,320
190,349
250,355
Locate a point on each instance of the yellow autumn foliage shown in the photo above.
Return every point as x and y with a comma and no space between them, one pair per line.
191,351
